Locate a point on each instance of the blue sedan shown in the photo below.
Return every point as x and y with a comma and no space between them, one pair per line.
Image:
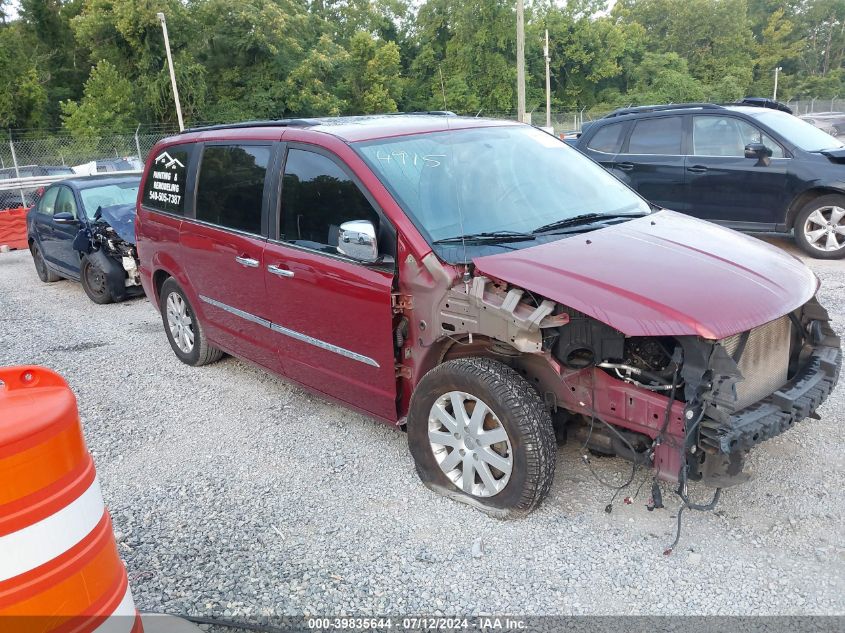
83,229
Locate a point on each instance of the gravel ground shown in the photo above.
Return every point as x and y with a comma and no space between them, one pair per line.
237,494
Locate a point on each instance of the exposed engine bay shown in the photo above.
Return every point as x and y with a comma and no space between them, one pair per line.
109,243
106,239
687,406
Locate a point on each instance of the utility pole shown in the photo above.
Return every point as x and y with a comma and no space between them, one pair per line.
520,59
548,83
775,93
160,16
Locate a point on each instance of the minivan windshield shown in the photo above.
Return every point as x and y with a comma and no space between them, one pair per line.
800,133
507,181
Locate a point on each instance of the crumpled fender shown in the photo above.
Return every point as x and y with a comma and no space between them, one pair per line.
115,275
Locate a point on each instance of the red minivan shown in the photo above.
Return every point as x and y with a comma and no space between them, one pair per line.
487,287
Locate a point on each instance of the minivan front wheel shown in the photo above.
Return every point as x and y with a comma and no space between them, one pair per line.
820,227
183,329
479,433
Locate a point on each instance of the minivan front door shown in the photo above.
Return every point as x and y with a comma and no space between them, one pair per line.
724,186
332,316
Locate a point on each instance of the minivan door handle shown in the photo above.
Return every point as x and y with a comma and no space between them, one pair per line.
247,261
625,166
281,272
697,169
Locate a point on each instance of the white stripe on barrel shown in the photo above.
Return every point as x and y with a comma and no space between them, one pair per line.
49,538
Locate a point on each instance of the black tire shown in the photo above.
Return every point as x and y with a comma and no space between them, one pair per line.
520,411
201,353
94,282
44,274
822,204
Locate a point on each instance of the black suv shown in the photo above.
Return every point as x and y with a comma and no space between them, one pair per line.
749,168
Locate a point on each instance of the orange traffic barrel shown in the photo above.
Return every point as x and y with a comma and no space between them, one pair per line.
59,566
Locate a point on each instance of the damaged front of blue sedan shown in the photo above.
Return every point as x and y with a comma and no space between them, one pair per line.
83,229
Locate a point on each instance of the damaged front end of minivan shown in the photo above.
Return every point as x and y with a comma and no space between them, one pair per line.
687,405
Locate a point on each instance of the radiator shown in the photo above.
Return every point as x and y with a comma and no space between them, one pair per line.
764,362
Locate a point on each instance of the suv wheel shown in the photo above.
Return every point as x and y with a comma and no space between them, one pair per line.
820,227
94,282
479,433
44,274
183,329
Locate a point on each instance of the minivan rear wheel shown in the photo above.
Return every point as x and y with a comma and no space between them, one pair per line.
820,227
182,327
479,433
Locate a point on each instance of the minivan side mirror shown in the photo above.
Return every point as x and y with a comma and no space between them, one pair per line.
758,151
357,240
65,218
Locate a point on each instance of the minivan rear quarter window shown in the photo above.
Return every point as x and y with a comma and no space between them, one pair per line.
230,188
657,136
164,189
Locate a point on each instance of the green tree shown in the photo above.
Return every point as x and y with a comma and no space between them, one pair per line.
713,36
372,75
776,46
665,78
311,88
107,105
23,96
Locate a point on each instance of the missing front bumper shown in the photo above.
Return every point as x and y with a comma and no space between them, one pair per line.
796,400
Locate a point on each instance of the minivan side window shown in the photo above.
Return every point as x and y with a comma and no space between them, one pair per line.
164,189
317,197
608,139
230,187
48,202
657,136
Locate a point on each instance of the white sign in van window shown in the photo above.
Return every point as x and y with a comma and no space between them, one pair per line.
165,185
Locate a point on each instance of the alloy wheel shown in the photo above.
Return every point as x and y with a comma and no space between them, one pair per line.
470,444
180,323
825,228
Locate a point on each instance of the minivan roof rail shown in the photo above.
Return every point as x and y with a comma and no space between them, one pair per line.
668,106
243,124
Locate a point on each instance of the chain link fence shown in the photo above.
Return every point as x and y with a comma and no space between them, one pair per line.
802,107
57,150
29,161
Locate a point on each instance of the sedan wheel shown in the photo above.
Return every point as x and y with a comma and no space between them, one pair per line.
44,274
94,282
820,227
